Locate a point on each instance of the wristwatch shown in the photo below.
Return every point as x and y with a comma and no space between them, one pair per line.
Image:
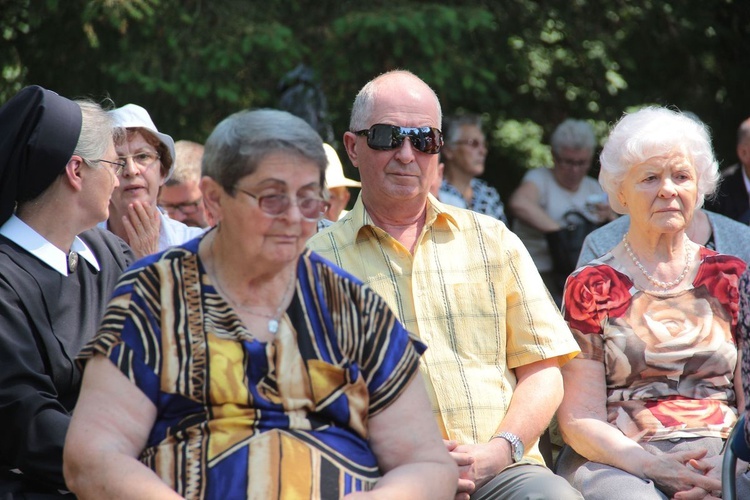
516,445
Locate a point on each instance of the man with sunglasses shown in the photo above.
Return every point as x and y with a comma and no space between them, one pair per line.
464,155
464,284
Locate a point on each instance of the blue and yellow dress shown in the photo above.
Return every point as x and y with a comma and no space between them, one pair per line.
240,418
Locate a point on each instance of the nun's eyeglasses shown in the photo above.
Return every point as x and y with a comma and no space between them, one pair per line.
116,166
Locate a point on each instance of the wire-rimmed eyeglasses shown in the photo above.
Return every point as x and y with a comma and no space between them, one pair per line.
117,166
143,160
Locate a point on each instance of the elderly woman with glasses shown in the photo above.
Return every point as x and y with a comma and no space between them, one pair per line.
550,200
241,365
148,158
653,395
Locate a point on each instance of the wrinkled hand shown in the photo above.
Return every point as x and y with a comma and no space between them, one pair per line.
142,225
710,467
465,486
676,477
477,464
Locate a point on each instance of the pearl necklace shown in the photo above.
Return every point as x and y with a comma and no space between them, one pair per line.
661,284
273,320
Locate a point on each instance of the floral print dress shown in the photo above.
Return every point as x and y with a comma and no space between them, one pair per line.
669,358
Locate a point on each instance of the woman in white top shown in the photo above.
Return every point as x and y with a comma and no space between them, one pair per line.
545,196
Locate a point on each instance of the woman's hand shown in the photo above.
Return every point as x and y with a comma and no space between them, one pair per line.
674,474
142,225
710,467
466,486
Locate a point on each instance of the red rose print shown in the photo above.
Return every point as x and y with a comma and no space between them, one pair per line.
720,274
593,294
679,412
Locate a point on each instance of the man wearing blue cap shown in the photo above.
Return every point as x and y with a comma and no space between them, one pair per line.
58,168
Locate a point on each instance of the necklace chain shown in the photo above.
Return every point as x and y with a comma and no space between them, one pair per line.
273,319
665,285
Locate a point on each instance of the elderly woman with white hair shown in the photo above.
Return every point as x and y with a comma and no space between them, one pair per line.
654,393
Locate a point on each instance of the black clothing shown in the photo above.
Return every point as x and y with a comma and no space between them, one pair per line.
39,131
731,198
45,319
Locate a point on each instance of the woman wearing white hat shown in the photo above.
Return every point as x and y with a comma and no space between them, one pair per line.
337,185
149,161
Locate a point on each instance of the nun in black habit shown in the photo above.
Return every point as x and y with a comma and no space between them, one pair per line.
58,168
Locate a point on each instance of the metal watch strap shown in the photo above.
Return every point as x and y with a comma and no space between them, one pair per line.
516,445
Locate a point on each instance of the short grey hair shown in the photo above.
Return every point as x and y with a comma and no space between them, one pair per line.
96,131
364,103
453,125
187,164
655,131
240,142
573,134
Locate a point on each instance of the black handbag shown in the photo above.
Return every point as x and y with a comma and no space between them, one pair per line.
565,244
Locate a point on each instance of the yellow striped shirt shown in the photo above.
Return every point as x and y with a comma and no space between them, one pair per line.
472,293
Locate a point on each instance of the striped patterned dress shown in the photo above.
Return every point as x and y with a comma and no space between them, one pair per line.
240,418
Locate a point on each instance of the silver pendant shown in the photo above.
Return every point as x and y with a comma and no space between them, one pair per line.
72,262
273,325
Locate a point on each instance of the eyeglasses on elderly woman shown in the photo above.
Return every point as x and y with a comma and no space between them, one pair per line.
312,208
385,137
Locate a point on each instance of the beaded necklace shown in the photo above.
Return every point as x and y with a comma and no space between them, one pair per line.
665,285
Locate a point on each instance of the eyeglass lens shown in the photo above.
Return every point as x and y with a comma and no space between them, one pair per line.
277,204
117,166
472,143
142,160
311,208
185,208
386,137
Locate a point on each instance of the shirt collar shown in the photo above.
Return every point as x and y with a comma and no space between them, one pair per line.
436,215
27,238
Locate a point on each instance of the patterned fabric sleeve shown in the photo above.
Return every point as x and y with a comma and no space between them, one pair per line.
388,374
743,336
592,295
387,354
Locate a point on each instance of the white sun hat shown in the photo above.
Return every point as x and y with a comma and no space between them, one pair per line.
134,116
335,171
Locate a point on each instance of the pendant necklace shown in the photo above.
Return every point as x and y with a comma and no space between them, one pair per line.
72,262
273,319
665,285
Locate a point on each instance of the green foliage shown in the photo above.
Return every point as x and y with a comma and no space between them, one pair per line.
524,64
14,24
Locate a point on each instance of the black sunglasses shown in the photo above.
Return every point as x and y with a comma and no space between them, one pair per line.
386,137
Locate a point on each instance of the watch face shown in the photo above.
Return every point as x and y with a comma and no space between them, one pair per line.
516,445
